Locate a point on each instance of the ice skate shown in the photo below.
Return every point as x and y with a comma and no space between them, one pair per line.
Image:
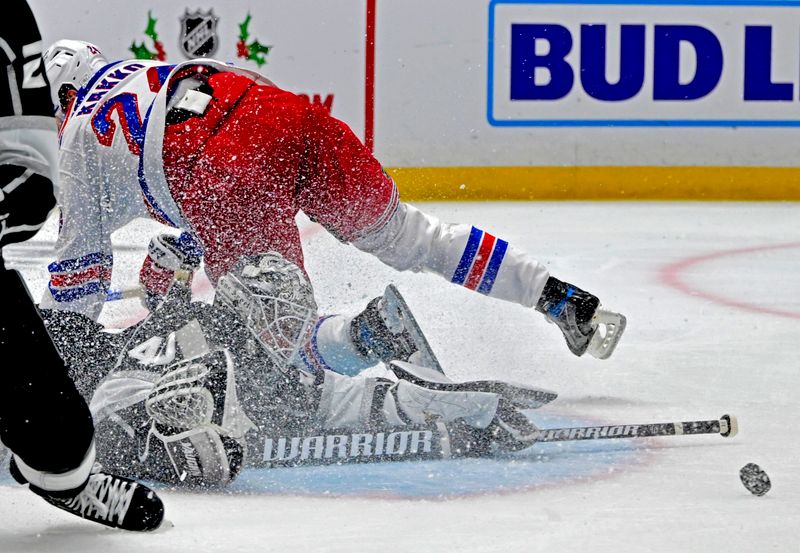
107,499
387,331
586,327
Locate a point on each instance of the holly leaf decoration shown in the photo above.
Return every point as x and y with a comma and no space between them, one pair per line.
244,34
151,27
257,52
141,52
254,51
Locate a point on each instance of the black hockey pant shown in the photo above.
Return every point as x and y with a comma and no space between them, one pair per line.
43,418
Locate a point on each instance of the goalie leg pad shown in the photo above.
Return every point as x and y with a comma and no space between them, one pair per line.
362,402
520,395
355,402
420,405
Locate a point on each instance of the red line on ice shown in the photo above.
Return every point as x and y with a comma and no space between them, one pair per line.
671,276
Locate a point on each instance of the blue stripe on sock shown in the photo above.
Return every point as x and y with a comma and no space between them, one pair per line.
72,294
492,269
473,243
80,263
315,346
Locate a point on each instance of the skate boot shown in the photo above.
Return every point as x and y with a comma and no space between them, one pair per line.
107,499
585,326
387,331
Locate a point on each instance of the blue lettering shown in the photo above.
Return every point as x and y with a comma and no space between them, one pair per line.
593,63
758,83
105,85
117,74
666,81
525,61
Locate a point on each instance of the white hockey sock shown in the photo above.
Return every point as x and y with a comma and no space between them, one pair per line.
330,348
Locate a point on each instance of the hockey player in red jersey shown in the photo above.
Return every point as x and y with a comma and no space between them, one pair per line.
225,155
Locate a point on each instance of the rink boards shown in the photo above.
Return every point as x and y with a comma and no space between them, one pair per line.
514,99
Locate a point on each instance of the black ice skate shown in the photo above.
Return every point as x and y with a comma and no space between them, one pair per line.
107,499
387,331
586,327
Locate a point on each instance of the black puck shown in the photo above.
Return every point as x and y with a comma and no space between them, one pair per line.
755,479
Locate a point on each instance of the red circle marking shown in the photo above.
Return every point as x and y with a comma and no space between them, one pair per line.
671,276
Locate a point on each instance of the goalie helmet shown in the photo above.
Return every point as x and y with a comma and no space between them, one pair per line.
274,299
69,65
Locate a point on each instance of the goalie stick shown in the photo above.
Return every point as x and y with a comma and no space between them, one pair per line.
726,426
432,441
124,294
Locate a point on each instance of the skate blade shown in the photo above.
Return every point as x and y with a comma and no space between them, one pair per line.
424,355
610,327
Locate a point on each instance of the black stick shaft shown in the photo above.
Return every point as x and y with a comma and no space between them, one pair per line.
718,426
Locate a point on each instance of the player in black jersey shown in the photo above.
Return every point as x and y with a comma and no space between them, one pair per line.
44,421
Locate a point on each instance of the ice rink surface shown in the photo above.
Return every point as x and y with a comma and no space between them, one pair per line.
712,296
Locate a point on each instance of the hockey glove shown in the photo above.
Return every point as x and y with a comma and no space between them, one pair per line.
168,258
196,414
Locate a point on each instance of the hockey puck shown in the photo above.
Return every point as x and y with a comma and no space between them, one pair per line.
755,479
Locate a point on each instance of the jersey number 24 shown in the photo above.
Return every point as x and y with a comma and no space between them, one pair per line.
126,106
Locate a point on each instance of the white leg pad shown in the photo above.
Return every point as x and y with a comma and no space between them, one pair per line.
475,408
347,402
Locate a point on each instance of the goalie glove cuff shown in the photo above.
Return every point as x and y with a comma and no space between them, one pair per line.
201,457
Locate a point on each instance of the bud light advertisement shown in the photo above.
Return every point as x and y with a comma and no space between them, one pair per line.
604,63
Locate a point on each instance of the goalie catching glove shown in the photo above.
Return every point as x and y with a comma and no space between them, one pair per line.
197,417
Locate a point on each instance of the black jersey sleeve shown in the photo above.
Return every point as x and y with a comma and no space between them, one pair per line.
24,89
27,127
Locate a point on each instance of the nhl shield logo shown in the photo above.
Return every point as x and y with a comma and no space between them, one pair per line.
199,34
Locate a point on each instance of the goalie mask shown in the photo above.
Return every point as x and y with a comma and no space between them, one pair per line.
69,65
274,299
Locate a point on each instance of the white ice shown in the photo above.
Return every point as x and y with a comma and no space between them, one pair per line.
712,296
